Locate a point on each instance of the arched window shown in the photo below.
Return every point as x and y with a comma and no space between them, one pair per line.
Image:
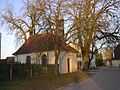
44,59
28,60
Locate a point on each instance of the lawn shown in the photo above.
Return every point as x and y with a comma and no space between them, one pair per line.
50,82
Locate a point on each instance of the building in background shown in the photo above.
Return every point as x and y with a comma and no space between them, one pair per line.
107,54
79,57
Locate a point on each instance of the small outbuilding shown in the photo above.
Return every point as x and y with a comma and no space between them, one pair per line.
107,54
39,49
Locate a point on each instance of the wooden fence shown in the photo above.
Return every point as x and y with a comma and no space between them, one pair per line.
21,71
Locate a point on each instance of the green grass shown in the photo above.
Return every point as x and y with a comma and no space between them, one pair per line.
50,82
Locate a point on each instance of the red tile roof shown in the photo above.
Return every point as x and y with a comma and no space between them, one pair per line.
37,43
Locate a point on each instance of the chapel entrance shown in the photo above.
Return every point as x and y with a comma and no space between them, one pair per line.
68,64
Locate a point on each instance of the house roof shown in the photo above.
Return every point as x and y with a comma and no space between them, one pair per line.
10,59
42,42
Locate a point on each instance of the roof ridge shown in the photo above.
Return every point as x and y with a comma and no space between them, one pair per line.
37,43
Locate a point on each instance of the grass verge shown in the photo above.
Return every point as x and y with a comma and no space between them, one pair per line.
50,82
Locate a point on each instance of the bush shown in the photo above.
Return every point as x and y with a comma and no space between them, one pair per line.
99,62
41,69
38,70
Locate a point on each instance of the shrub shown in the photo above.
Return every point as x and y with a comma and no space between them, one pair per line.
99,62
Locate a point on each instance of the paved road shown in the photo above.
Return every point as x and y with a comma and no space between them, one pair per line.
105,79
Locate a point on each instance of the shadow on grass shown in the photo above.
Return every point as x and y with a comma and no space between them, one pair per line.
50,82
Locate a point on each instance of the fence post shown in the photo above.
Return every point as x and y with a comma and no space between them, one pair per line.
30,70
10,71
46,69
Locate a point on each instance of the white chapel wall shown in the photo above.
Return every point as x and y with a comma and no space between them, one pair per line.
63,64
34,58
73,61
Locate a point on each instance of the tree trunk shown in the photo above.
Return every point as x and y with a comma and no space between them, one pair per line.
56,63
90,59
85,61
89,63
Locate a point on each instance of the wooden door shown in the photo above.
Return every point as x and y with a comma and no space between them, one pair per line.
68,63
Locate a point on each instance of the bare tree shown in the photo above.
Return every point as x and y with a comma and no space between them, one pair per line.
90,17
87,21
28,22
55,24
37,16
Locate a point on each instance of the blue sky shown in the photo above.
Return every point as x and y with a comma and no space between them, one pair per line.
8,40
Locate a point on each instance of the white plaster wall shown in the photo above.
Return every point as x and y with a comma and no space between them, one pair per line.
22,57
63,65
116,63
63,62
51,57
34,57
73,61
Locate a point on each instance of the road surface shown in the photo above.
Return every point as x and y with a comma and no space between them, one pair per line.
105,79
